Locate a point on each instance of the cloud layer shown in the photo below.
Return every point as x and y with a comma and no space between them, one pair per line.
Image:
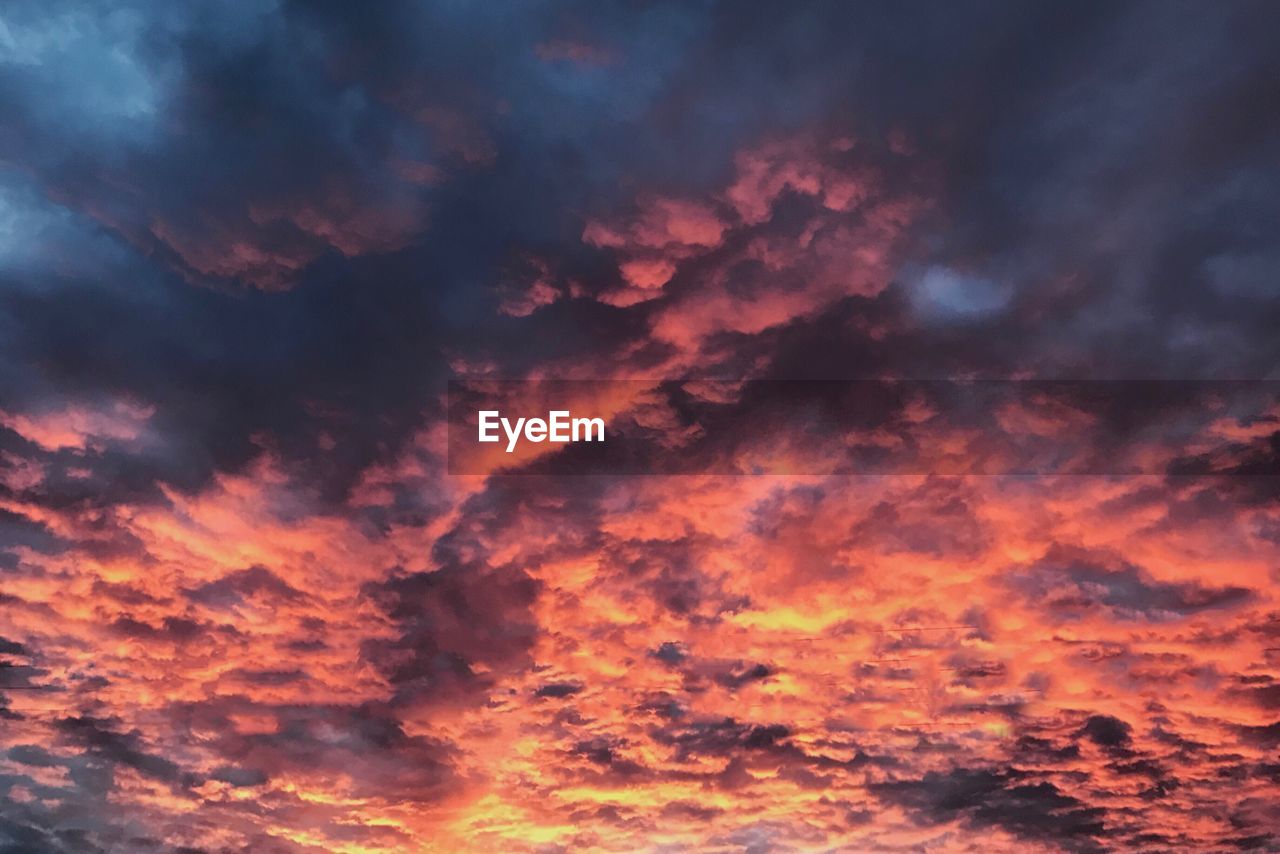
244,607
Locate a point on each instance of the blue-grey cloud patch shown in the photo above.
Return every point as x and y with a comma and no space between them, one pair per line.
941,294
1072,584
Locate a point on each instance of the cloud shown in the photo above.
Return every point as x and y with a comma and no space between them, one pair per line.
1107,731
1071,584
246,608
450,621
1032,810
234,588
941,294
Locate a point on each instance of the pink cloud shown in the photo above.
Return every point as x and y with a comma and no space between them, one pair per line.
531,287
650,246
750,275
80,426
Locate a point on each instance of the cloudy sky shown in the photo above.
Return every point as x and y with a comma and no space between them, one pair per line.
246,607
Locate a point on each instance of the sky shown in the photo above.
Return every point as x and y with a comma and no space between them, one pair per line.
247,606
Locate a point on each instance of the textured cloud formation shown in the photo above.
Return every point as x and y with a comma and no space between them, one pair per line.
244,607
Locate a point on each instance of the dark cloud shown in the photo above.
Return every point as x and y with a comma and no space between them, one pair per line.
1071,584
232,589
999,798
103,742
238,777
1265,735
253,241
449,620
33,754
558,690
368,743
9,647
725,737
176,630
1106,731
743,674
345,155
670,652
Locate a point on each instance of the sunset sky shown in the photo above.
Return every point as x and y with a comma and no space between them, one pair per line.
248,604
